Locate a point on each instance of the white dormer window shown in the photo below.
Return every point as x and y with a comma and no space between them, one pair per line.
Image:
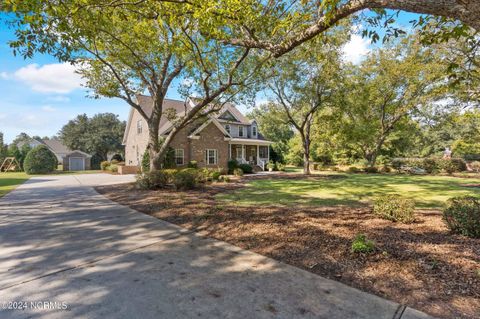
227,128
139,127
254,131
240,131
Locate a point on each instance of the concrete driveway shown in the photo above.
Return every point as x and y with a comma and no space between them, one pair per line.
68,252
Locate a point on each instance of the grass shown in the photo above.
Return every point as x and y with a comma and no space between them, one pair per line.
352,190
9,181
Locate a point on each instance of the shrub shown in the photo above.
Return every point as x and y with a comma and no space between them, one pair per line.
238,172
185,179
40,160
224,178
152,180
216,175
430,165
281,167
353,169
453,165
114,161
395,208
246,168
104,165
462,215
475,166
371,169
232,164
397,163
96,161
362,245
192,164
146,161
113,168
271,165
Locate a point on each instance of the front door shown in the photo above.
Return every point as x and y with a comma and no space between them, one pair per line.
238,154
253,156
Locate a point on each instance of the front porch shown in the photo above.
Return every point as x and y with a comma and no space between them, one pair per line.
253,154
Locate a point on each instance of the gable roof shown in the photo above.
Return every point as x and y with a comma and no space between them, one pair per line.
146,103
56,146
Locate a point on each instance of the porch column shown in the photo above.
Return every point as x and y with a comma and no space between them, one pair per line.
268,153
258,155
243,152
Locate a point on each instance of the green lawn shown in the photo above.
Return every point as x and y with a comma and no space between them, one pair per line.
352,190
9,181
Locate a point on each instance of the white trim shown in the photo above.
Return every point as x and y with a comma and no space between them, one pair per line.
204,125
194,137
183,156
247,141
256,130
227,109
78,151
127,129
70,163
207,156
243,131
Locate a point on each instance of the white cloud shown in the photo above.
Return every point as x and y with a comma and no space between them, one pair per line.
48,108
58,98
4,75
356,49
50,78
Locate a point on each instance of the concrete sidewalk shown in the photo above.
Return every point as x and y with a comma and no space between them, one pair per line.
63,243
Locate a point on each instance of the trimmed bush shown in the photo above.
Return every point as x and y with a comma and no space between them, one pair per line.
246,168
155,179
104,165
113,168
371,170
40,160
395,208
185,179
281,167
363,245
232,164
238,172
462,216
385,169
192,164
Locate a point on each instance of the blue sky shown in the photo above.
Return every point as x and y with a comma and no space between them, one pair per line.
40,95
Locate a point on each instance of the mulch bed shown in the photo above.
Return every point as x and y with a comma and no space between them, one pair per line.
420,265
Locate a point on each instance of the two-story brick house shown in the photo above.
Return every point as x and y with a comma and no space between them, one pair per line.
211,142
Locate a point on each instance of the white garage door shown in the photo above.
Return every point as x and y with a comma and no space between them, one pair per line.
77,164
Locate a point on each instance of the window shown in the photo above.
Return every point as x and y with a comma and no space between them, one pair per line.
240,131
179,156
139,127
254,131
227,128
211,157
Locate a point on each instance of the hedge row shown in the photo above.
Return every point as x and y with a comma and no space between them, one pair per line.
431,165
181,179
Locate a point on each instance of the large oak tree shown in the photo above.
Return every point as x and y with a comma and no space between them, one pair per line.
136,46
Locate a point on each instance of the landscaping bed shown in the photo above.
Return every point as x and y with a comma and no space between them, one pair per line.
421,264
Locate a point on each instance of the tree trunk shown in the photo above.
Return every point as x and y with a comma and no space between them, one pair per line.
306,155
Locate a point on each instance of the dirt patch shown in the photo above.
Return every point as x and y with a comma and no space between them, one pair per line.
421,265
